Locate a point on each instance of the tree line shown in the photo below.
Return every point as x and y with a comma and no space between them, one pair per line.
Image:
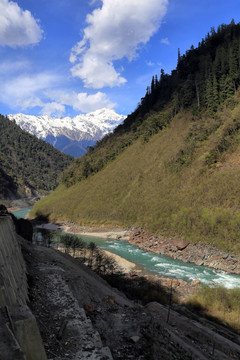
204,78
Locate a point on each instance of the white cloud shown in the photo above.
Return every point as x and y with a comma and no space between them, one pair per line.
53,109
82,101
150,63
24,86
165,41
29,102
93,2
11,67
29,91
17,26
115,31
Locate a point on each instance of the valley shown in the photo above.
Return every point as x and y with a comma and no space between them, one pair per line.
62,280
158,189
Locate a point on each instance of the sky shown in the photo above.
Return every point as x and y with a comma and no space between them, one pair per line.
66,57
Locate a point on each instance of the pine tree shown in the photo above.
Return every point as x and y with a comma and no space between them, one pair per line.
234,62
152,85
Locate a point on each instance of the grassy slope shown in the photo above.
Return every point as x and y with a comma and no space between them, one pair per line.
141,188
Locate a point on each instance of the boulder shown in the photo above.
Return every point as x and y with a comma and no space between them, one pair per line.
180,244
135,339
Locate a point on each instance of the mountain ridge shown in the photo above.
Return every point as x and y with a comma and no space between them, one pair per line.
28,166
172,167
76,133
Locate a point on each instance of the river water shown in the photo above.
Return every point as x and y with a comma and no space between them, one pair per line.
160,265
21,213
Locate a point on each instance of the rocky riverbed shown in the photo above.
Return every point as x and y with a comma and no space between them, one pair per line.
183,250
176,248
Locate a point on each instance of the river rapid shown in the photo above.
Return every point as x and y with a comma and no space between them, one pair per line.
160,265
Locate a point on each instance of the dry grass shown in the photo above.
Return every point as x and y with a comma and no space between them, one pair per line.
200,202
219,303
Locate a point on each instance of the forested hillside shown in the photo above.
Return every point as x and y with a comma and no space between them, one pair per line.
27,165
173,166
205,77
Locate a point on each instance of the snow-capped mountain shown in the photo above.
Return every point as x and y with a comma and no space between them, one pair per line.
72,136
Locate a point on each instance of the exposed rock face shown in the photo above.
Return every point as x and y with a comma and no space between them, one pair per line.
187,252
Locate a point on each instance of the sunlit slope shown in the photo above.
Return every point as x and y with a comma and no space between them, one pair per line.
174,184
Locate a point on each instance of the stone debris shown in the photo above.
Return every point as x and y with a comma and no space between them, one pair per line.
81,317
76,333
185,251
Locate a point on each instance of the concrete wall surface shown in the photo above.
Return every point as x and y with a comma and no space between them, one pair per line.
19,334
13,279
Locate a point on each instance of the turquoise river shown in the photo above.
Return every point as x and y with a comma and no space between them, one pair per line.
160,265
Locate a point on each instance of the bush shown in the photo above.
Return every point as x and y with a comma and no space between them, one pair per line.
220,303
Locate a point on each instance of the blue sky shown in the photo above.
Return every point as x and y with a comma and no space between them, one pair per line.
66,57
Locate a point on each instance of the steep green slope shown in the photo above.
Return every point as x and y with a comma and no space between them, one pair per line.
204,79
150,185
173,167
27,165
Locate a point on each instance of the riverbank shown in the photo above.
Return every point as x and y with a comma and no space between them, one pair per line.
124,265
20,204
181,289
179,249
106,233
176,248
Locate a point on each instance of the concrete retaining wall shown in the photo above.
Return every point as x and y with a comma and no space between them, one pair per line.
13,280
19,334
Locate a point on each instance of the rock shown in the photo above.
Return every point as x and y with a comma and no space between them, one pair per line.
135,339
196,282
111,300
175,283
89,308
180,244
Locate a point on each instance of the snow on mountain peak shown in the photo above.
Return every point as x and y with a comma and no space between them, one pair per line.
82,128
98,122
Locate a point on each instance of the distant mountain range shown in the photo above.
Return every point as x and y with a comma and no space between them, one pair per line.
71,136
29,166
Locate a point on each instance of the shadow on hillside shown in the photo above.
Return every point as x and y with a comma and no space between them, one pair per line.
139,288
40,217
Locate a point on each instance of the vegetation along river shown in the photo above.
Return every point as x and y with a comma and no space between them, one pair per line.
158,264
